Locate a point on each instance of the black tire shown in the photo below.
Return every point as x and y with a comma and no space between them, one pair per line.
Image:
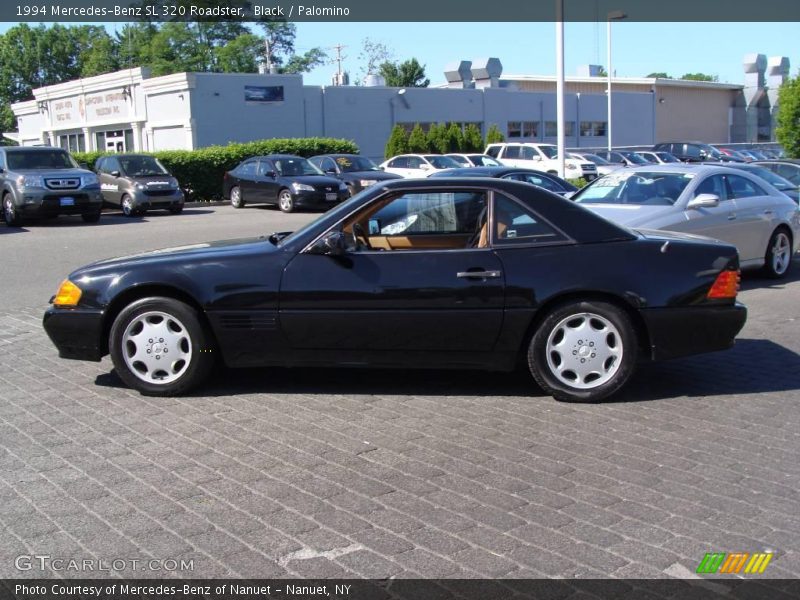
176,210
10,214
92,217
127,206
778,257
586,356
237,199
285,201
200,344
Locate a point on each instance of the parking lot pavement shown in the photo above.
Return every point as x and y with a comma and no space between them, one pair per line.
322,473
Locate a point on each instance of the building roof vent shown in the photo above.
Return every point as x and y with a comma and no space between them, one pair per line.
487,68
457,72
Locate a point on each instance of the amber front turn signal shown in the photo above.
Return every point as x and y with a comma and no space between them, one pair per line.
68,294
725,286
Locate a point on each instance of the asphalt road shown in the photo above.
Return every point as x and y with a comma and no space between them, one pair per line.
347,473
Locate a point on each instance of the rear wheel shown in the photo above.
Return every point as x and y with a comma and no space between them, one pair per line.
160,347
779,255
10,214
583,351
285,201
236,197
176,210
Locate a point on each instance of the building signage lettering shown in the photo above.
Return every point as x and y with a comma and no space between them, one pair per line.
107,105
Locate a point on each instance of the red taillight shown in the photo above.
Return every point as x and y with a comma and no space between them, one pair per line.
725,286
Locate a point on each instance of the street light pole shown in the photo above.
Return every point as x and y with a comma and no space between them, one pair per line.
560,86
616,15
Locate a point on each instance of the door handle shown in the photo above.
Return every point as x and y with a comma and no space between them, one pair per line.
732,217
768,213
478,274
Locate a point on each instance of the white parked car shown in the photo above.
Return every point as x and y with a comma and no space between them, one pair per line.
540,157
418,165
659,158
714,201
603,166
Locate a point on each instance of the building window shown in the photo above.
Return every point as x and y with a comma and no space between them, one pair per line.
593,128
73,142
551,128
523,129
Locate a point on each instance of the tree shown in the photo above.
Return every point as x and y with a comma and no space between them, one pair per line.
787,130
417,140
405,74
133,44
658,75
438,140
303,63
176,48
493,136
473,140
398,142
99,53
373,54
241,55
279,37
455,138
700,77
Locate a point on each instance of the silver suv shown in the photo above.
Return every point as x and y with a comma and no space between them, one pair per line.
46,182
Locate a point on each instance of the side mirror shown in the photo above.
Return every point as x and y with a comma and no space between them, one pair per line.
271,174
84,165
703,154
114,173
703,201
330,244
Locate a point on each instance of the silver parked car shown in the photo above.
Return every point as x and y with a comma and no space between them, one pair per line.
713,201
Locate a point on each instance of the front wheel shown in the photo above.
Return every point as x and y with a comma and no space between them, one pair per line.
237,201
127,206
285,201
176,210
92,217
779,255
583,351
10,214
160,347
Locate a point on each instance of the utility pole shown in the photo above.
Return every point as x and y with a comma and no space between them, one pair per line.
339,58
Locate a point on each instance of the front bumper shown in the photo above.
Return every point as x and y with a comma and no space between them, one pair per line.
76,332
319,199
50,203
676,332
145,200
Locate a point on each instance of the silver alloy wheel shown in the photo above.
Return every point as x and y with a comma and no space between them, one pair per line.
156,347
781,253
285,201
236,197
127,206
584,351
8,209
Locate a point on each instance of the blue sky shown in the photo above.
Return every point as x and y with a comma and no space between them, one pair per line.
529,48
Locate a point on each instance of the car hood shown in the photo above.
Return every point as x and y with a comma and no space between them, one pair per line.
53,173
374,175
184,254
631,215
318,181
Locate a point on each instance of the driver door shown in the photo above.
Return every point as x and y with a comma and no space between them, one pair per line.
418,288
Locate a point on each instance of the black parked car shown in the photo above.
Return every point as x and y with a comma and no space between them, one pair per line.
553,183
694,152
449,272
286,180
357,172
779,183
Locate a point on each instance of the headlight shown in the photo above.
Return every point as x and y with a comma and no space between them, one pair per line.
367,182
174,184
302,187
572,167
30,181
140,186
68,294
90,179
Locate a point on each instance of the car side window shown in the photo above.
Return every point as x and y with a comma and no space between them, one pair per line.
112,164
401,162
264,167
247,169
493,151
414,162
713,185
99,165
512,152
741,187
692,151
528,153
327,165
516,224
789,172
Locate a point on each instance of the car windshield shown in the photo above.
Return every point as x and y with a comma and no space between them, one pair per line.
441,162
654,188
40,159
461,160
549,151
349,164
292,167
598,160
482,160
635,158
667,157
711,151
141,166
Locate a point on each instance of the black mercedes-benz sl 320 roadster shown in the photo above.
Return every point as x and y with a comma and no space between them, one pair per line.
459,273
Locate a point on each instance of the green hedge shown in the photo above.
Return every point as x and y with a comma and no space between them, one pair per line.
200,172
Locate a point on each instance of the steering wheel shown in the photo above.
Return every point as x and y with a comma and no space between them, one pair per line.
360,237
